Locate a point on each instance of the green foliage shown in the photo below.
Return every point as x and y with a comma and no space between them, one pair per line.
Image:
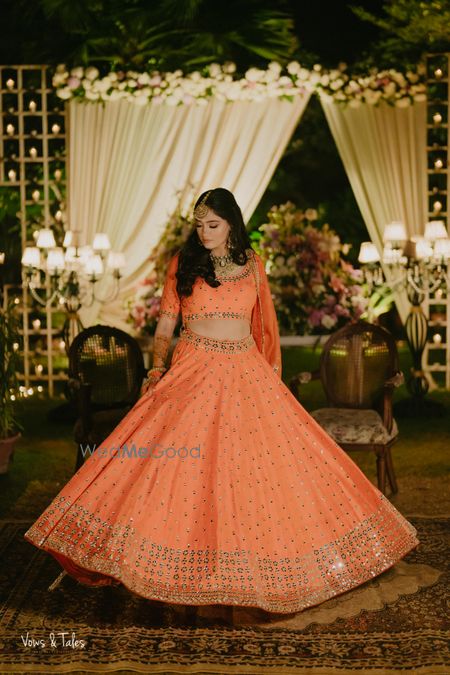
9,334
411,28
166,35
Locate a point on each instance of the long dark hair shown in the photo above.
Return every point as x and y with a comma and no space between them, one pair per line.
195,260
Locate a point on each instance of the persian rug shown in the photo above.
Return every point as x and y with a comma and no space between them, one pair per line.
396,623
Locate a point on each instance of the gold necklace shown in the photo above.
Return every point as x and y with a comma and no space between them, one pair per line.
221,260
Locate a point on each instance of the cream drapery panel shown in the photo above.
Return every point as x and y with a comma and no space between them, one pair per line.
127,163
383,149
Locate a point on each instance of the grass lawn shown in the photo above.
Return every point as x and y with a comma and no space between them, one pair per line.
45,456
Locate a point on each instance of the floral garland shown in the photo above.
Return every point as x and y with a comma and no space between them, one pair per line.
218,81
391,86
178,89
314,289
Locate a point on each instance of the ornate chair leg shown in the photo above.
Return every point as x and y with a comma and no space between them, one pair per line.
390,471
57,581
381,469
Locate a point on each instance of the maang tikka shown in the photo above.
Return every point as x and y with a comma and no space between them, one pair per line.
202,209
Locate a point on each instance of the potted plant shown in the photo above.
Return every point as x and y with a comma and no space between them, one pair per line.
9,424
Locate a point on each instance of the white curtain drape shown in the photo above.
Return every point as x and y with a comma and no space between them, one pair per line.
127,163
383,149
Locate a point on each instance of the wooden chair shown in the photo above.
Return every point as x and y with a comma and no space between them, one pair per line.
359,370
106,369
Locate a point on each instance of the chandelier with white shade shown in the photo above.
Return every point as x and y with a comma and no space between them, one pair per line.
62,273
419,265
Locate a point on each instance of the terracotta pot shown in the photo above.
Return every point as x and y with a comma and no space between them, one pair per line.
7,451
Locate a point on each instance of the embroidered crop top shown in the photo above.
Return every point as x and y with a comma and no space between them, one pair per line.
243,295
233,299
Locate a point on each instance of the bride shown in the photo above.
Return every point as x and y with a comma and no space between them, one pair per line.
236,496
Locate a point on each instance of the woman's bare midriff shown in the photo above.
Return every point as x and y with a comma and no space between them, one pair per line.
225,329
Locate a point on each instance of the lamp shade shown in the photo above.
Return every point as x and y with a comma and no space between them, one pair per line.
368,253
45,238
31,257
423,248
94,265
442,249
101,242
116,261
435,229
55,259
395,231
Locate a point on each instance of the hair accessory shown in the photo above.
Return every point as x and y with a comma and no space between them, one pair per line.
201,209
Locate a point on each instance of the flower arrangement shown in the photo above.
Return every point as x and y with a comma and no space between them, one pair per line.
221,82
391,86
315,290
174,88
143,308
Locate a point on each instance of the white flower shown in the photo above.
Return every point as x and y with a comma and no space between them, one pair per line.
143,78
253,74
303,74
325,80
317,289
60,78
294,68
77,72
229,67
317,67
92,95
336,84
280,260
328,321
420,97
91,73
274,67
215,70
64,92
195,75
311,214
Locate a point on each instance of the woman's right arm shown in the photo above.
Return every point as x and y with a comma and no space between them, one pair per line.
168,315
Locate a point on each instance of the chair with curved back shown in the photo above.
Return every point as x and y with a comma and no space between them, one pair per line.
359,370
106,369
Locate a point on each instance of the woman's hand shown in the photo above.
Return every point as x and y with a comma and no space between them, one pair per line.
149,384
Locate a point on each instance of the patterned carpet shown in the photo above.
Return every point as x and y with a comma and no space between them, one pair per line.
395,624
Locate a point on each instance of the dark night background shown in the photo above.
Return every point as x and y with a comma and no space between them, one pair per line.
311,173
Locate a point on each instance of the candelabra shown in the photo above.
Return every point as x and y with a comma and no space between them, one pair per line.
69,274
420,266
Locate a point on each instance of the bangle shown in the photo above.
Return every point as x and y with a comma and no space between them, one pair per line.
157,368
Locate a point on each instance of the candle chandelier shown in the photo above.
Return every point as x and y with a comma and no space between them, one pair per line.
420,266
70,272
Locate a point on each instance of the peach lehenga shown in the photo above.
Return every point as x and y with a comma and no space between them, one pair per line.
233,494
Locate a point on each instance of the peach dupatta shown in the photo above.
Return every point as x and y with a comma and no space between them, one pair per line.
264,319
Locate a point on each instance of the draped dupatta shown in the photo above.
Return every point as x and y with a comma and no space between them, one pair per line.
264,319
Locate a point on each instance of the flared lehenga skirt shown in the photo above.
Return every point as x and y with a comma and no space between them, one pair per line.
219,488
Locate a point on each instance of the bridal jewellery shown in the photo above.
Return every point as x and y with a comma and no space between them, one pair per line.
201,209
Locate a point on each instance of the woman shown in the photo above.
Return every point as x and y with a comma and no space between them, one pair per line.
236,496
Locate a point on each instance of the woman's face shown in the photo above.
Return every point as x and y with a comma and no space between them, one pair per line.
212,230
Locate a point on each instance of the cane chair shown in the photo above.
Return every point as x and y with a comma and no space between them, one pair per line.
359,371
106,369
